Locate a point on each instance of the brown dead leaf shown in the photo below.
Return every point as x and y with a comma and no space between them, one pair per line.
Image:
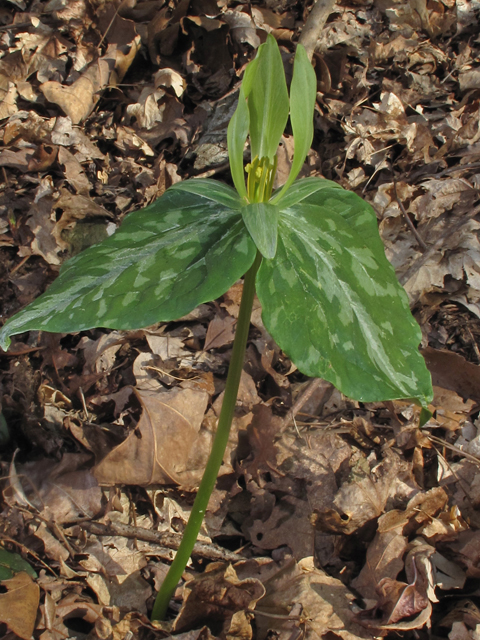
218,596
74,173
53,548
16,159
79,99
365,498
42,226
19,605
8,101
63,491
324,603
397,600
114,567
384,562
288,525
99,354
115,26
220,332
159,450
467,551
261,435
43,158
451,371
73,605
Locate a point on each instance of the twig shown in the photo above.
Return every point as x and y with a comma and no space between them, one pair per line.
410,224
433,249
165,539
313,385
313,26
20,264
28,551
211,172
22,352
455,449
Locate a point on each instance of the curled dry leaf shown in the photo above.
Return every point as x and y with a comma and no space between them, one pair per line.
219,596
54,615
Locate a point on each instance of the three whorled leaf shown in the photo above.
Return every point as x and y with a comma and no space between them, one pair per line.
330,298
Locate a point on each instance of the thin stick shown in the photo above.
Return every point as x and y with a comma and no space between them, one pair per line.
164,538
455,449
28,551
313,385
19,265
410,224
313,26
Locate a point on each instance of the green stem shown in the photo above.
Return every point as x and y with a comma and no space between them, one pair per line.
218,448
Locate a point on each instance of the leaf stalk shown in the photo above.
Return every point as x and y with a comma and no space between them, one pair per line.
218,448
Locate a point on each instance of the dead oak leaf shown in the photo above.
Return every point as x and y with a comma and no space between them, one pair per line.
18,606
159,449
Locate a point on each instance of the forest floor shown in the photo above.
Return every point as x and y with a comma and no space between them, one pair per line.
331,518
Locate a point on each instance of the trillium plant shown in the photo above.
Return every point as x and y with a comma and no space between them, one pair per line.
310,250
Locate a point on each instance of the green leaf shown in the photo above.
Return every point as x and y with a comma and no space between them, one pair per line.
261,220
301,190
268,102
303,93
166,259
211,190
331,300
237,131
12,563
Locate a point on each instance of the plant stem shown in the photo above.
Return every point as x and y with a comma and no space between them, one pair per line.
218,448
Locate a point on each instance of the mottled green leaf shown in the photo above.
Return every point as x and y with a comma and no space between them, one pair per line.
212,190
261,220
166,259
303,93
237,131
301,190
332,301
268,101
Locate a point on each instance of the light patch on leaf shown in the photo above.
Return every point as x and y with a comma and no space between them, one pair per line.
163,274
350,347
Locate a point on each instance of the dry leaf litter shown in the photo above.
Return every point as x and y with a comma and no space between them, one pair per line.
330,518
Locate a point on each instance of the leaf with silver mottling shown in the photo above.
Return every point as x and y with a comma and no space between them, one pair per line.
332,301
166,259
